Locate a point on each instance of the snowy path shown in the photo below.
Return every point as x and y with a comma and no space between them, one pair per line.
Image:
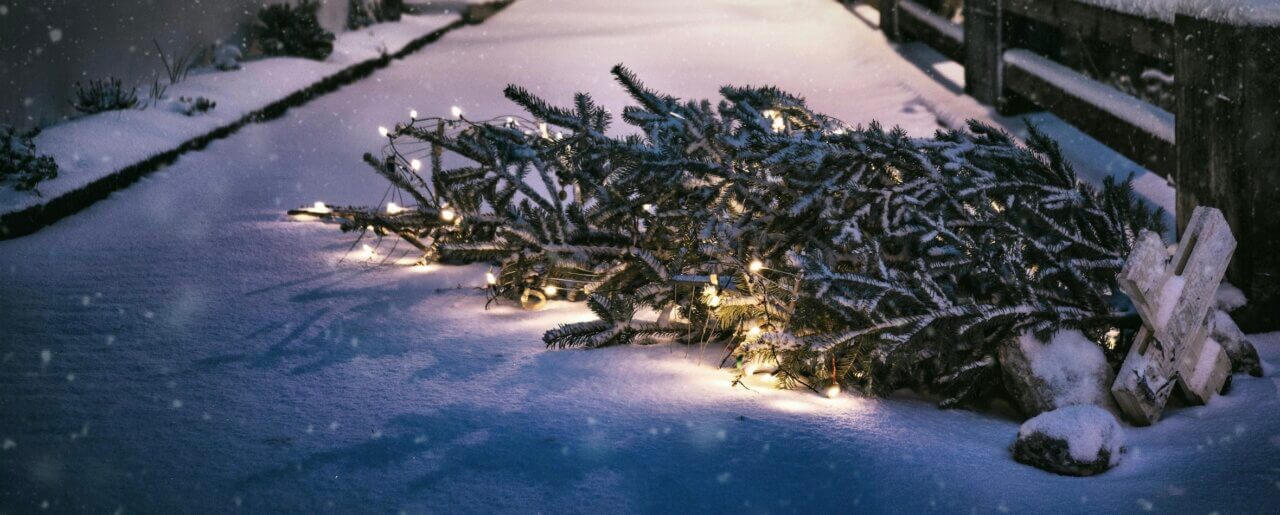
182,346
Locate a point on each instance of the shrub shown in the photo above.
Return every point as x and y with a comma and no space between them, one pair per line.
293,30
193,106
100,95
363,13
20,165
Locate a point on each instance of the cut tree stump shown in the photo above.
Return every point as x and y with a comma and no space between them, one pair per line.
1175,300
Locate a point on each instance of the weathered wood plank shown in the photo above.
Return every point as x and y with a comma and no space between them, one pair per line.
984,45
919,23
1228,113
1175,298
1146,36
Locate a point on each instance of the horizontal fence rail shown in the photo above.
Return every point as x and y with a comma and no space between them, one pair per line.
1136,129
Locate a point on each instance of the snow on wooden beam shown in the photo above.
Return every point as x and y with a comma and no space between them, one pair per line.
1140,131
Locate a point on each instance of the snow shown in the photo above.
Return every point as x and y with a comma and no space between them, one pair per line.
1260,13
1162,10
1147,117
92,147
1168,299
1087,429
305,384
1060,363
1228,298
1235,12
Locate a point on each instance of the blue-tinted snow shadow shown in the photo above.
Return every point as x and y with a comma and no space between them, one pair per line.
341,322
692,463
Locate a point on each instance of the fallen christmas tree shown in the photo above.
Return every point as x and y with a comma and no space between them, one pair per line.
834,257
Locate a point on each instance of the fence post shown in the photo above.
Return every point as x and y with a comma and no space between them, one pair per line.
1228,148
983,48
889,19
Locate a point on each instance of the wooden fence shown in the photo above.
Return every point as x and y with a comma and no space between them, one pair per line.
1227,112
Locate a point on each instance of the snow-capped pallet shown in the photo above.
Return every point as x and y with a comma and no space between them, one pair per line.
1175,299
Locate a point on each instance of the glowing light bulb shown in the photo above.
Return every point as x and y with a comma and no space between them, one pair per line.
490,278
550,290
393,208
456,111
383,131
413,113
448,214
832,391
319,207
756,266
415,164
754,332
714,301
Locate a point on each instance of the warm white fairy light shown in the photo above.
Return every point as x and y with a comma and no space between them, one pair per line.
320,208
415,164
832,391
756,266
413,113
447,213
394,209
383,131
490,278
550,290
712,296
754,332
456,111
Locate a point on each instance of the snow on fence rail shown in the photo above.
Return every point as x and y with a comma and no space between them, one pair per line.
1220,146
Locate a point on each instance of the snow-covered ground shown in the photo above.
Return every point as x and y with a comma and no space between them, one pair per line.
91,147
182,346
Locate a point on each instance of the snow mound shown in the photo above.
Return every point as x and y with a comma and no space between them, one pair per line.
1060,364
1075,440
1229,298
1067,370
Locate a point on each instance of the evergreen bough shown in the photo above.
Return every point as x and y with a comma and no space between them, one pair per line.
832,255
293,30
20,166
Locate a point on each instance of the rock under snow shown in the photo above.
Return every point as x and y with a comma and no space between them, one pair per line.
227,57
1074,441
1244,358
1069,370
